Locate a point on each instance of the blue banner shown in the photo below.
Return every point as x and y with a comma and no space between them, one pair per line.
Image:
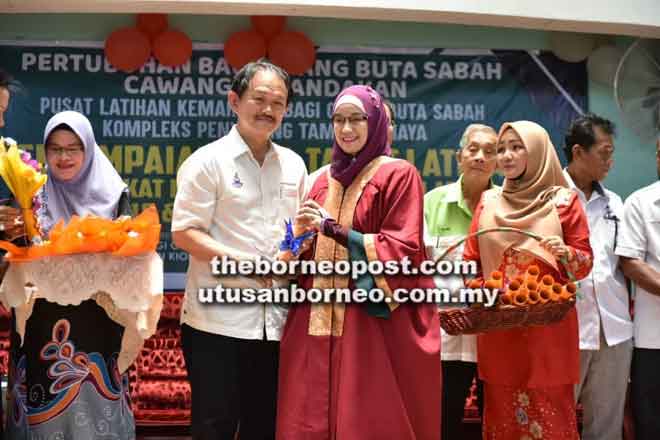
150,121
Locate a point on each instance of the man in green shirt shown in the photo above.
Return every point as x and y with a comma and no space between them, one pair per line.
447,216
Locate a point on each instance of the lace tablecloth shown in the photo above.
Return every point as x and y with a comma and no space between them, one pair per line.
130,290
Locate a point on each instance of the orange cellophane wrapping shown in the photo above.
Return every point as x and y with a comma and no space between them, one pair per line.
124,237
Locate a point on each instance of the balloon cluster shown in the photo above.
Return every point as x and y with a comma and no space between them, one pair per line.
128,48
291,50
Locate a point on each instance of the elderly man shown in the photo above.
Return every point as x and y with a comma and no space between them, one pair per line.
606,327
232,198
447,216
639,249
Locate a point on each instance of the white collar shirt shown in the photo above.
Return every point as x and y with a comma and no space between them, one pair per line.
223,191
640,238
604,299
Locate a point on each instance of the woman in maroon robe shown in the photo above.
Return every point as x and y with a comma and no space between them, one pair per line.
362,371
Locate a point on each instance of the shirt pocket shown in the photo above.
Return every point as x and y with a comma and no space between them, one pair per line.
608,233
288,200
288,190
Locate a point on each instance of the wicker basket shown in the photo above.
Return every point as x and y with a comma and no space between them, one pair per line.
481,319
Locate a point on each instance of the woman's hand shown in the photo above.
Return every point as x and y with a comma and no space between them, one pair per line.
310,215
11,222
306,245
556,246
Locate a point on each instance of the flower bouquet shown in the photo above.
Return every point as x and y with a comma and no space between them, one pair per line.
523,301
91,234
24,177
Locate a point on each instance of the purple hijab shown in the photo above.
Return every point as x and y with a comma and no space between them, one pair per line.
345,167
97,187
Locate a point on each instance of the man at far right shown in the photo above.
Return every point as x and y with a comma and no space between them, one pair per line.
606,328
639,249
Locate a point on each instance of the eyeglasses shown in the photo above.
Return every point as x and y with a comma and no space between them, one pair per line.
352,120
69,152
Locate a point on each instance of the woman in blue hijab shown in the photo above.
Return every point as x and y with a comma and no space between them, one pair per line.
65,380
81,180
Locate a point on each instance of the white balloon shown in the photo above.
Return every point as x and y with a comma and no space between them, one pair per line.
602,64
572,47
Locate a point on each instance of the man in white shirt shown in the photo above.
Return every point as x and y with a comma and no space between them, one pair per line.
606,328
233,196
639,248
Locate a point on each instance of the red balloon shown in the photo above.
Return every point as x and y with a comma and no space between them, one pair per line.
243,47
172,48
268,25
152,24
127,49
292,51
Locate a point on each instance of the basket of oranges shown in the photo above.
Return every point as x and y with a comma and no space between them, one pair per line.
527,300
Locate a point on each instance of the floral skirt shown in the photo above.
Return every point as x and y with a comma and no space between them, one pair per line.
64,383
513,413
